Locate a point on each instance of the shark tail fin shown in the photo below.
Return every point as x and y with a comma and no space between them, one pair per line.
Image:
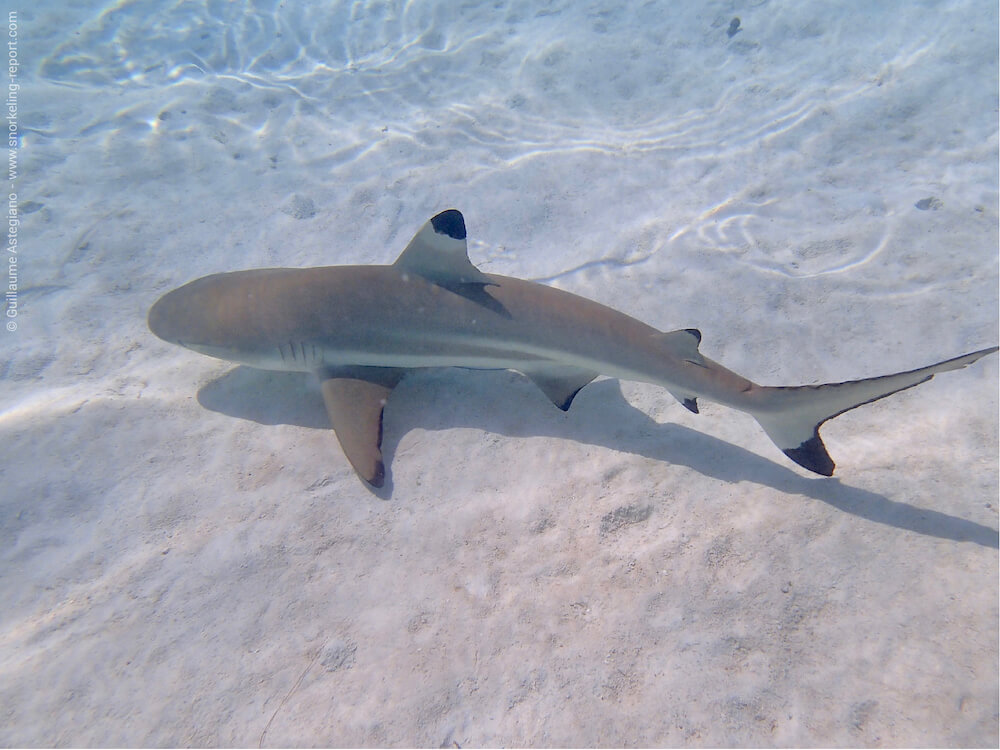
791,416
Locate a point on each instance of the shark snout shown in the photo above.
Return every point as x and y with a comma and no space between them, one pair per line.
174,317
199,316
159,317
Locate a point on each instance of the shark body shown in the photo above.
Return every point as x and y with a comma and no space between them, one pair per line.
361,328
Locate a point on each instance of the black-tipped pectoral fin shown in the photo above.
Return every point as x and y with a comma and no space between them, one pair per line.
354,401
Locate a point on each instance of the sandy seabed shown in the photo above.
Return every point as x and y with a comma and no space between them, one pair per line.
186,558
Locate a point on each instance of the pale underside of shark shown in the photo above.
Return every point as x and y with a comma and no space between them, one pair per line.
360,329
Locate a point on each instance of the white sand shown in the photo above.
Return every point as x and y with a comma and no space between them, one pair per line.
186,558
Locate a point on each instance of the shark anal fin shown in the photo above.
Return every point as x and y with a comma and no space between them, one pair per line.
439,252
354,399
560,383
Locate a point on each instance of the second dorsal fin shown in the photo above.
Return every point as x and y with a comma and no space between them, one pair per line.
683,344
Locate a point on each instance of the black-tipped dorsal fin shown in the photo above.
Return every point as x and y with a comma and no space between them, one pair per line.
683,344
439,252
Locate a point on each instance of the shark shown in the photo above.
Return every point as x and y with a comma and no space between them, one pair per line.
361,329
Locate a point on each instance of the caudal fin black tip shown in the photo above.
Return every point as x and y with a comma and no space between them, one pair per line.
812,455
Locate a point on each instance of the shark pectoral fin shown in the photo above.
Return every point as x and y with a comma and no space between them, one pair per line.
354,402
560,383
439,253
683,344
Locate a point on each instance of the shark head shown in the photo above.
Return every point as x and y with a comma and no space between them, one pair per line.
204,316
262,318
178,317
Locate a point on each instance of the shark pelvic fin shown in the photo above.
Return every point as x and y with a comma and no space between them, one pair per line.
560,383
354,399
439,253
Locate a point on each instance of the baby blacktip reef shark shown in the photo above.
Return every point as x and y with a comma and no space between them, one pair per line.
361,328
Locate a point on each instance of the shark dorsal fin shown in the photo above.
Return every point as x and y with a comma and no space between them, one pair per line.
683,344
439,253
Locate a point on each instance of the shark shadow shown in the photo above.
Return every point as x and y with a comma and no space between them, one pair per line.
602,417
